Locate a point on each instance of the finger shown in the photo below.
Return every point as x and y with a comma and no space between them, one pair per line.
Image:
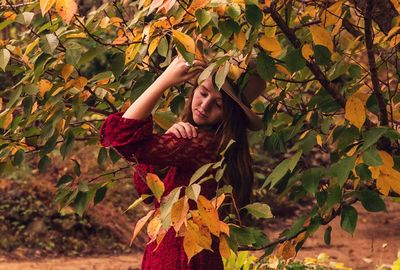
181,131
199,63
188,130
194,131
192,74
174,131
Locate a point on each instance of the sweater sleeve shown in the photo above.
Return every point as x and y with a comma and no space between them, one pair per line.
135,141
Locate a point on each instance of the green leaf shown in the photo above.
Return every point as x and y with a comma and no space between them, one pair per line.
254,15
64,180
327,235
203,17
117,63
280,171
372,136
259,210
371,157
233,11
137,202
189,57
221,74
371,201
265,66
310,179
242,235
228,27
101,76
162,48
66,146
40,63
193,191
102,157
25,18
4,58
166,207
80,202
342,168
48,43
322,55
100,194
44,163
295,61
177,104
348,220
114,156
199,172
18,157
77,167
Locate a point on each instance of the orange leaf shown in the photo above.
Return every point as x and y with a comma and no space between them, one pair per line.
8,120
224,249
154,226
307,51
179,213
270,44
209,215
321,36
240,40
44,86
66,71
66,9
80,82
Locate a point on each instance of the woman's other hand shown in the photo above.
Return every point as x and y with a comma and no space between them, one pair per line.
179,71
183,130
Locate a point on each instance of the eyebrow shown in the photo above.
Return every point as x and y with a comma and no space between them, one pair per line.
206,89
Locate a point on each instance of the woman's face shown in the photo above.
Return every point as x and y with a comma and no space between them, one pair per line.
207,104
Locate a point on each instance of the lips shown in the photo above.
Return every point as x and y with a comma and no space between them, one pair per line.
201,114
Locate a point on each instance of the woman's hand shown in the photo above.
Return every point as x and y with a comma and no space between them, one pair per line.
179,71
183,130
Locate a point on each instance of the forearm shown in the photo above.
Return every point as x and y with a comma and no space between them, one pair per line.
143,106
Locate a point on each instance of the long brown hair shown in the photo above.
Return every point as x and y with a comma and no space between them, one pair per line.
239,172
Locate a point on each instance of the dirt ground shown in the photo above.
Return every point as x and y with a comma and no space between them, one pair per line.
376,242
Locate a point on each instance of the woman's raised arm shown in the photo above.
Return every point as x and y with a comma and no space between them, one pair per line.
176,73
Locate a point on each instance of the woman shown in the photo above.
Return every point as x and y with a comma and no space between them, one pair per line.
210,120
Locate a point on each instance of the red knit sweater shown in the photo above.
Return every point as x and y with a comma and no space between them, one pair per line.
135,140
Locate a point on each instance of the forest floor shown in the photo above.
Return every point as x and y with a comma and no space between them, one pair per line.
34,235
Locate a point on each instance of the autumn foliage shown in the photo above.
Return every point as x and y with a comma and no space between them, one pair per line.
331,109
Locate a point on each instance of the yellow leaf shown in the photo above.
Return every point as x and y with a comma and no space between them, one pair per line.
319,140
234,72
216,202
240,40
321,36
185,40
44,86
1,104
270,44
105,21
209,214
332,14
67,71
224,249
154,226
282,69
307,51
45,5
131,52
386,176
66,9
31,46
286,249
179,213
355,112
190,240
153,45
139,225
155,185
76,35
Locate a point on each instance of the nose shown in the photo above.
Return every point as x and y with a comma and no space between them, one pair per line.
206,104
